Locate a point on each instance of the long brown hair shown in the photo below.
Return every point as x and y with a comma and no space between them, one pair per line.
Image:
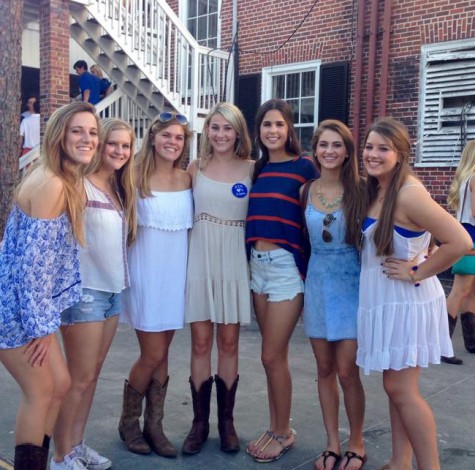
124,178
292,145
146,154
398,139
354,194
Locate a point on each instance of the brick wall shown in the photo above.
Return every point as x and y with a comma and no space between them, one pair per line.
54,56
329,34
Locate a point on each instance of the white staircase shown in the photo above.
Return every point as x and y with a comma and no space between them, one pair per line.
152,58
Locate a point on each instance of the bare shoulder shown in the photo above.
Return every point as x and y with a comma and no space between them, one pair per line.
412,191
45,195
192,168
184,178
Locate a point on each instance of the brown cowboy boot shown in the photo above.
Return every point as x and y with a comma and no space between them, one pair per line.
453,359
227,433
30,457
152,429
200,427
468,329
129,426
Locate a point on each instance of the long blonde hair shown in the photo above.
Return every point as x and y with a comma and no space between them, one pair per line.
234,116
55,159
464,170
124,179
146,155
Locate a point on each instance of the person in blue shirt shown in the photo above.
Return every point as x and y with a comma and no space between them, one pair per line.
89,84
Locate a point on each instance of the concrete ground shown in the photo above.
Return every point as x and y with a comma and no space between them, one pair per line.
449,389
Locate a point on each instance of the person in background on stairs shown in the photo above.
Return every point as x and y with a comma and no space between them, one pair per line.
106,87
89,326
461,199
217,285
89,84
39,276
155,302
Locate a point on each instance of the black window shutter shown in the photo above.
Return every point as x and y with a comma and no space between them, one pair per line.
249,99
333,102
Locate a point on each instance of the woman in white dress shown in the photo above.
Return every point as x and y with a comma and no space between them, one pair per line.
402,316
217,285
155,303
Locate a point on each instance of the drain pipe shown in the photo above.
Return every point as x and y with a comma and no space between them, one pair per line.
235,46
385,57
373,33
358,71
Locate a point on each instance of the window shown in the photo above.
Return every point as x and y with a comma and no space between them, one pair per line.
202,21
298,84
447,102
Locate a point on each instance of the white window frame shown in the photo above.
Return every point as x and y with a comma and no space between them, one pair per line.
183,15
268,73
432,113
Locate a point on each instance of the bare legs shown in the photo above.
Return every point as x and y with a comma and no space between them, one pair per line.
338,360
462,289
227,339
153,359
412,421
86,346
276,322
43,389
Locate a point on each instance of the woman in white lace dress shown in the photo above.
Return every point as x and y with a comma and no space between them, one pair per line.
155,303
402,315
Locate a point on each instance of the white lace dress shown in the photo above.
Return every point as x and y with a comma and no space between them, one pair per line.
399,325
157,262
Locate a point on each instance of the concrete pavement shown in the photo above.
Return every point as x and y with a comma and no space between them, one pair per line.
449,389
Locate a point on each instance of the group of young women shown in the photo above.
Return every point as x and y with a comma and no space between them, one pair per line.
92,213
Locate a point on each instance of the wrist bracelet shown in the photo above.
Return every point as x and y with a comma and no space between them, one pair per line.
411,273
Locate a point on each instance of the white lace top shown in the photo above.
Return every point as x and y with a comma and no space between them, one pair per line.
166,210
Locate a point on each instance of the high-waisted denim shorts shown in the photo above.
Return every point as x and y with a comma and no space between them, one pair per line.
95,305
275,274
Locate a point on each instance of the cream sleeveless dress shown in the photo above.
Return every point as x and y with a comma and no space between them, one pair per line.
217,284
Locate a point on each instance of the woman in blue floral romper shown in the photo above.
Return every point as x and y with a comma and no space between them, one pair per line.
39,275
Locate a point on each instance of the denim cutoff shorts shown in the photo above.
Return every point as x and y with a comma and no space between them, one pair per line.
95,305
275,274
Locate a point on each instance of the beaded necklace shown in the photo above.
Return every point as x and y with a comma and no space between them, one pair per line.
329,204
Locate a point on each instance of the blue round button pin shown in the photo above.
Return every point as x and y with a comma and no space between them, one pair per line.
239,190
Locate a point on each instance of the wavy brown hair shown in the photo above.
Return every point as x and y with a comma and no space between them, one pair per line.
354,192
292,145
397,137
146,155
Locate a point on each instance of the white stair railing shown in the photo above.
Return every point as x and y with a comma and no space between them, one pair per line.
192,78
117,105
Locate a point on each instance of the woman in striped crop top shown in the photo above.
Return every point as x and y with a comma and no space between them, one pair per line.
274,244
